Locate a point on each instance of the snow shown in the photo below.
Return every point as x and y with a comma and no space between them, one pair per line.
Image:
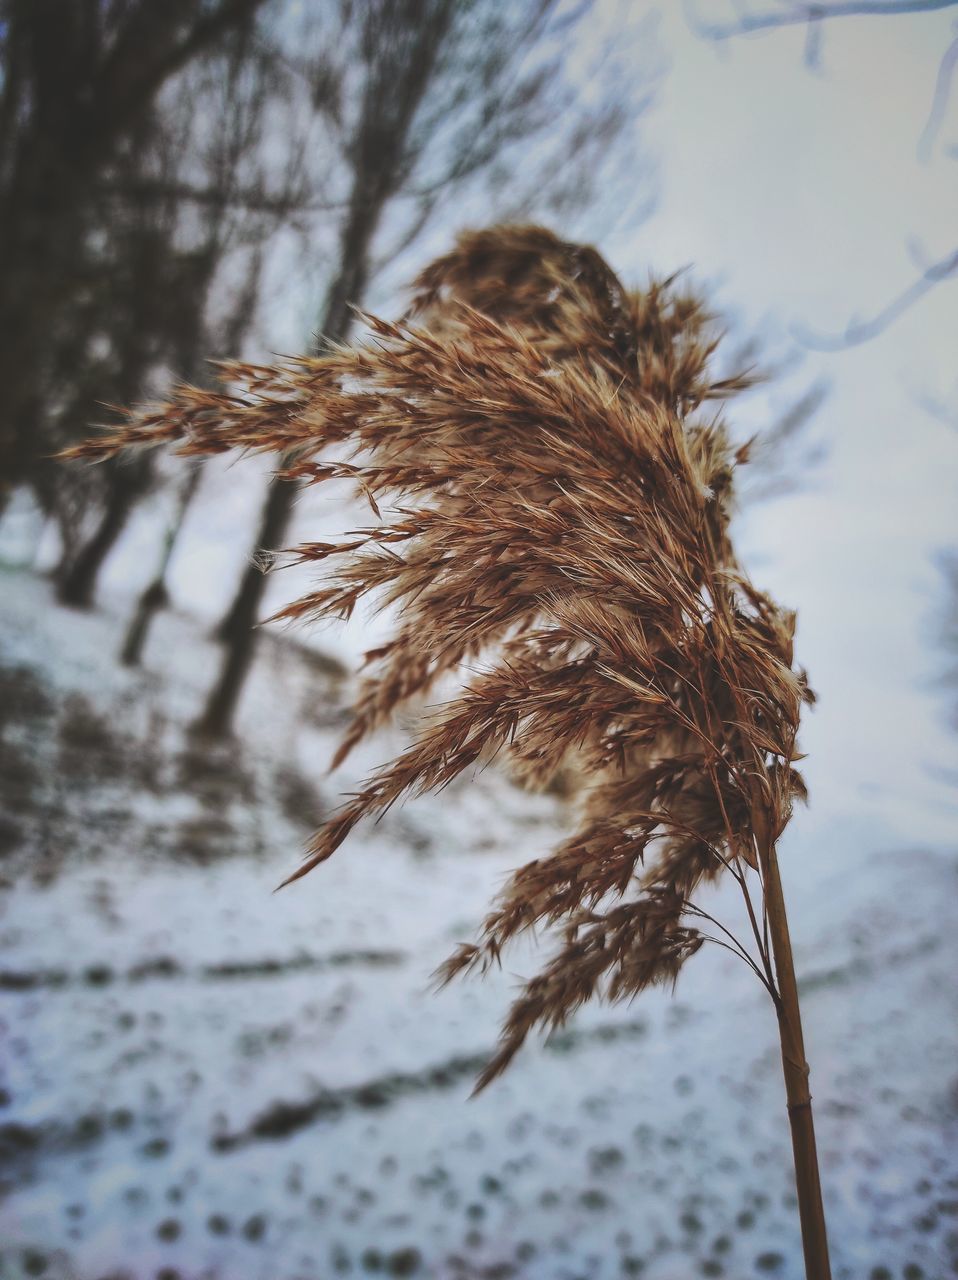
202,1078
163,1014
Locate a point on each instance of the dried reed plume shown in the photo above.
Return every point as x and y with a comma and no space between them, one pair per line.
550,496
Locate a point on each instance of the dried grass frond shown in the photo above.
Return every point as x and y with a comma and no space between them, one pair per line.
550,509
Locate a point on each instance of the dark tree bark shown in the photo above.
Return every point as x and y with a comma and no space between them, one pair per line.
217,715
151,601
237,631
146,306
77,582
155,596
77,81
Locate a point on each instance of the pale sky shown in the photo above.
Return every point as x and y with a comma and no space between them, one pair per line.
798,193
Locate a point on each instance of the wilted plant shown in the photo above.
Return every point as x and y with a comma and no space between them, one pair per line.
551,505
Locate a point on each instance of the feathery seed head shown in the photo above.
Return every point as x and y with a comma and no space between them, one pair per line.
549,509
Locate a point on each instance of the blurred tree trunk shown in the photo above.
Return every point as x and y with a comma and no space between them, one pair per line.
237,631
76,81
77,582
193,334
155,596
147,305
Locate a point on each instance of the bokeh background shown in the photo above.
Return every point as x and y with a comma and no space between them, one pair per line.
201,1079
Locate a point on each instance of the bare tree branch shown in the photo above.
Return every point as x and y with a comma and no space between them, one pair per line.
943,410
799,14
782,458
139,64
280,205
861,331
939,102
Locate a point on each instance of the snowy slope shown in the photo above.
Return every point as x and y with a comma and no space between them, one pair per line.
203,1079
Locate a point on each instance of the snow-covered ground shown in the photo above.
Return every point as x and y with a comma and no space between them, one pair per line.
203,1079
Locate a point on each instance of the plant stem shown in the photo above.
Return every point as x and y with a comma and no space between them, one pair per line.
807,1181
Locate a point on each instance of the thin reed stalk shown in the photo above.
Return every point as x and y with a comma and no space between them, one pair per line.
796,1071
550,484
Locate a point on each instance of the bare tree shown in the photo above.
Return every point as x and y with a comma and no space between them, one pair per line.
425,102
78,82
144,269
155,596
139,305
218,174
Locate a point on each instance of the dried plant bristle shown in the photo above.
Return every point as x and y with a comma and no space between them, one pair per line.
550,491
